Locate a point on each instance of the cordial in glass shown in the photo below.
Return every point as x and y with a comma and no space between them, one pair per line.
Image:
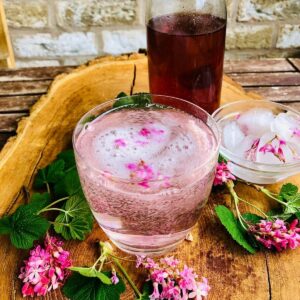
147,172
186,44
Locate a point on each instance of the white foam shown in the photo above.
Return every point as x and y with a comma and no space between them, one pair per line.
173,141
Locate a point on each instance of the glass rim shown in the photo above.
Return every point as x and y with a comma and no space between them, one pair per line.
108,103
248,163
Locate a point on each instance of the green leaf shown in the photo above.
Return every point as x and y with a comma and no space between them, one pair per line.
51,174
71,182
79,287
139,100
288,190
229,221
78,228
121,95
26,227
76,205
56,171
297,214
147,291
252,218
38,202
92,272
5,225
222,159
295,201
68,157
61,226
88,119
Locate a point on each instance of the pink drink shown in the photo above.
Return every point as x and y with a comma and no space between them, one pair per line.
146,174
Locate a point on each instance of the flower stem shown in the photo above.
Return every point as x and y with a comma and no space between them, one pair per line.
55,209
230,186
52,204
137,292
269,194
257,208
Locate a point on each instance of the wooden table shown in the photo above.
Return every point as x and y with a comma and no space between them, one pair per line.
233,273
274,79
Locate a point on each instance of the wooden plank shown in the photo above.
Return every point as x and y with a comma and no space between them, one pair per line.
9,122
295,62
32,74
267,79
17,103
24,87
294,105
254,65
277,93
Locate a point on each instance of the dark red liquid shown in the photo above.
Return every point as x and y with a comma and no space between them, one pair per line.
186,53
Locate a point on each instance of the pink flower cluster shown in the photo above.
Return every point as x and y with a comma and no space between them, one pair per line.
141,171
171,283
223,174
45,269
279,234
269,147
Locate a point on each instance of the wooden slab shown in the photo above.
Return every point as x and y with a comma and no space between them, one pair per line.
232,273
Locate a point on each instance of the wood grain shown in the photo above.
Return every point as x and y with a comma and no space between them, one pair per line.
295,62
254,65
267,79
277,93
32,74
24,88
232,273
17,103
8,122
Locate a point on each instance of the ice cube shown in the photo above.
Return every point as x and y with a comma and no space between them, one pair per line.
275,156
232,135
285,125
243,148
256,121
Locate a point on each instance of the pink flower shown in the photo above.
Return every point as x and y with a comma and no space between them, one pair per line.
171,283
120,143
251,153
202,290
279,234
269,147
45,269
223,174
170,261
142,172
144,132
114,279
296,132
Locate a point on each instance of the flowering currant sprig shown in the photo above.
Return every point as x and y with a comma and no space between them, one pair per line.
46,268
169,282
273,231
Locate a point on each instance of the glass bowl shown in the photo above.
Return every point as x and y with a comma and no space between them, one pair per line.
254,172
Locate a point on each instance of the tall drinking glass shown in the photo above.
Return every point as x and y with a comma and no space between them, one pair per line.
141,171
186,43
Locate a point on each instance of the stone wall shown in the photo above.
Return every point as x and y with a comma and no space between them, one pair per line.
66,32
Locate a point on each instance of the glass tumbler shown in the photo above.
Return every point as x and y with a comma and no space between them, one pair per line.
186,44
144,174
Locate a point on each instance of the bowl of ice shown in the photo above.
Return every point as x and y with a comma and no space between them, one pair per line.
260,140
